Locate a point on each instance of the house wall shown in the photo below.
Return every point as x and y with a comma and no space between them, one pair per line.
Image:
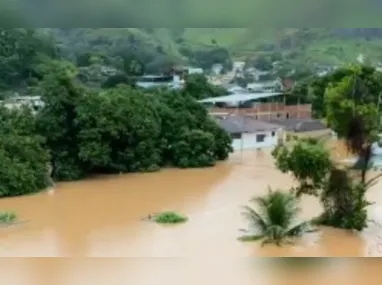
249,141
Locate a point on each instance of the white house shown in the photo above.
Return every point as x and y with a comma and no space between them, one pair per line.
34,102
194,70
238,66
154,81
267,86
217,68
248,133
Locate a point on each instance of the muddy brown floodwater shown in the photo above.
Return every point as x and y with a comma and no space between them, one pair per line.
102,217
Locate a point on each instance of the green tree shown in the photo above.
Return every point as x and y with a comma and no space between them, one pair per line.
21,50
182,114
352,112
133,66
119,131
194,149
276,219
308,161
344,201
198,87
261,63
318,85
115,80
23,160
57,122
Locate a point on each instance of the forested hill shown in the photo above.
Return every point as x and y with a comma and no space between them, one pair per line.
319,45
158,49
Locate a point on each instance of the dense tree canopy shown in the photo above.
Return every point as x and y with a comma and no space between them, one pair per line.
125,129
21,51
23,160
198,86
369,76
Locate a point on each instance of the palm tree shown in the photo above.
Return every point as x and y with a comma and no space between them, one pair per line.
276,219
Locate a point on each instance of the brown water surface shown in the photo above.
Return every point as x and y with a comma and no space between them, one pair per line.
103,218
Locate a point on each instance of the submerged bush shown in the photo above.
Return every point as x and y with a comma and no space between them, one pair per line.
276,219
170,218
344,201
7,217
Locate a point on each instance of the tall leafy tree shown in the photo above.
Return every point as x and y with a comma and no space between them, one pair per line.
24,162
57,121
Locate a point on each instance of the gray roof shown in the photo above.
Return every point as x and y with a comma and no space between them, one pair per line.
300,125
239,97
242,124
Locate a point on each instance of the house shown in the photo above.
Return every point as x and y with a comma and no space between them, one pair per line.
267,86
34,102
193,70
155,81
238,66
248,133
304,128
217,69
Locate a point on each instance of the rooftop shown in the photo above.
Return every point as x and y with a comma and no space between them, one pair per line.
300,125
242,124
239,97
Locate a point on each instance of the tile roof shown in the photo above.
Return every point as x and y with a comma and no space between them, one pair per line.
300,125
242,124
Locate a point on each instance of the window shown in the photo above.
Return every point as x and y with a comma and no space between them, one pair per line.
260,138
236,136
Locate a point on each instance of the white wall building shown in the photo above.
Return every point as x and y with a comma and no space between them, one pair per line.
217,69
194,70
34,102
154,81
248,133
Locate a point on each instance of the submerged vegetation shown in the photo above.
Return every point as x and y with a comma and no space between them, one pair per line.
7,217
275,221
170,218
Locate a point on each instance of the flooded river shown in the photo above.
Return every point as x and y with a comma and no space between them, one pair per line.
103,218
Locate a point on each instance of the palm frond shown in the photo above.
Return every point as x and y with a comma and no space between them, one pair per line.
267,241
373,181
250,238
277,212
299,230
256,221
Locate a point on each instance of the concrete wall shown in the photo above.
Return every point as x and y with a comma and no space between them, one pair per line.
249,140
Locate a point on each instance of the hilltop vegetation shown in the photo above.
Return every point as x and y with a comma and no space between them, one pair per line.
168,46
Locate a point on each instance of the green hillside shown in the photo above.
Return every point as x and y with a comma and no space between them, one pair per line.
309,45
297,45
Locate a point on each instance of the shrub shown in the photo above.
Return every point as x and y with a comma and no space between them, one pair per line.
170,218
7,217
275,221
